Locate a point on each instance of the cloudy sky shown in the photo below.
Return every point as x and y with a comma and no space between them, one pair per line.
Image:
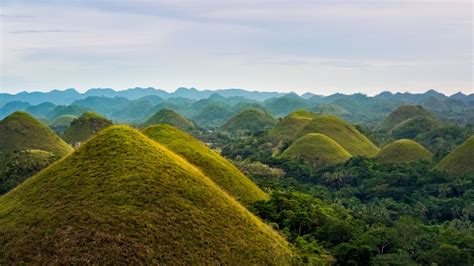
321,46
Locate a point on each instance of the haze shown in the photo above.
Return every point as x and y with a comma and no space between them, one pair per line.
317,46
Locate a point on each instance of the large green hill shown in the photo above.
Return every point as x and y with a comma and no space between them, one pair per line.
84,127
342,132
316,150
21,131
405,113
250,120
402,151
170,117
461,160
122,198
288,126
208,161
61,123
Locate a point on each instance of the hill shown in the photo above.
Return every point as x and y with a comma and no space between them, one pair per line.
316,150
122,198
288,126
21,131
333,109
342,132
461,160
84,127
403,113
61,123
221,171
411,127
250,120
17,166
403,151
170,117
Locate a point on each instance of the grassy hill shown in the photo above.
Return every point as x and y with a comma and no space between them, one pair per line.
21,131
411,127
221,171
402,151
170,117
342,132
333,109
61,123
84,127
17,166
461,160
249,120
288,126
122,198
316,150
402,113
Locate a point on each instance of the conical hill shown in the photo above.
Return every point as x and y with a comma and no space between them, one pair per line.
122,198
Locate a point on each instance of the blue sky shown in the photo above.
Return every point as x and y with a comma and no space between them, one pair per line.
323,46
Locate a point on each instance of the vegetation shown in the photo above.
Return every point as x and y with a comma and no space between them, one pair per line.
250,120
289,125
122,198
17,166
170,117
403,151
461,160
84,127
404,113
221,171
317,151
342,132
61,123
21,131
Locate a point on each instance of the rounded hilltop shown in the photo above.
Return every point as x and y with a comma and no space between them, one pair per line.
403,151
170,117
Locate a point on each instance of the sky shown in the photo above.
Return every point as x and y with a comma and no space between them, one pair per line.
318,46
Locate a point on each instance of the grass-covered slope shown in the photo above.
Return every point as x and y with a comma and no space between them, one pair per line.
402,113
403,151
221,171
342,132
17,166
170,117
84,127
250,120
61,123
316,150
411,127
288,126
461,160
122,198
21,131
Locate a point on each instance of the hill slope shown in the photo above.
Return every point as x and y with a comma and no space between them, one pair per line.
61,123
122,198
84,127
411,127
402,113
221,171
342,132
290,124
402,151
316,150
170,117
21,131
461,160
249,120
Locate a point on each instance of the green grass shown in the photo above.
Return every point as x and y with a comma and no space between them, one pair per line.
84,127
170,117
327,108
221,171
403,151
249,120
342,132
401,114
461,160
17,166
288,126
21,131
60,124
122,198
411,127
316,150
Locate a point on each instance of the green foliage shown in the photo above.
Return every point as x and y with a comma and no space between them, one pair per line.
84,127
208,161
317,151
403,151
122,198
61,123
341,132
408,120
17,166
250,120
21,131
288,126
170,117
461,160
